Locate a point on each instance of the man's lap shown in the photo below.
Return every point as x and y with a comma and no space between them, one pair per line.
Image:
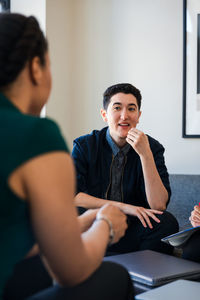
137,237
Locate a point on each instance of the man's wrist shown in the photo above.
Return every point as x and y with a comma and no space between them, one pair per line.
111,231
147,156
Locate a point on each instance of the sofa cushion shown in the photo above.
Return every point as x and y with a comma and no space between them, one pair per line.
185,195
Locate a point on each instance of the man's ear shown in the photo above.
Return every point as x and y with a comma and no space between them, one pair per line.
35,70
104,115
139,114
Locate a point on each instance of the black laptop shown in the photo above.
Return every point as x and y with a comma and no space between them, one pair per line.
153,268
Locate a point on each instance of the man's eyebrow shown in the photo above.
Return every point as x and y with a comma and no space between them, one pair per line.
119,103
132,104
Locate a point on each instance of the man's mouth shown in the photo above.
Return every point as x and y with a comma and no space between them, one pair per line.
124,124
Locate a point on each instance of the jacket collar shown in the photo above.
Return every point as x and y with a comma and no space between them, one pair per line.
114,147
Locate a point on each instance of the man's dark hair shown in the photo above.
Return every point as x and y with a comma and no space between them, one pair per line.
125,88
21,39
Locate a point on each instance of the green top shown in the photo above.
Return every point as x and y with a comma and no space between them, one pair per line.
22,137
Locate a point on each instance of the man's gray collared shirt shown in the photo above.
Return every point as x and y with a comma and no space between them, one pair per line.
117,169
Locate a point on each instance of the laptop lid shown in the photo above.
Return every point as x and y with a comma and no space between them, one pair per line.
179,289
154,268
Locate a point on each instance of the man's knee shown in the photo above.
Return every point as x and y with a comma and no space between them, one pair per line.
168,223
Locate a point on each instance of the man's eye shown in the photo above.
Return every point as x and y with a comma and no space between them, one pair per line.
117,108
132,108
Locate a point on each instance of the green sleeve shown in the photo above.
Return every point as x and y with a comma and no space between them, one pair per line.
33,137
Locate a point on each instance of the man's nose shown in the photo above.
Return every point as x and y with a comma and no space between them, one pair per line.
124,114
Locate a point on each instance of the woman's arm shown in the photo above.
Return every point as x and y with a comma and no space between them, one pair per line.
87,218
48,183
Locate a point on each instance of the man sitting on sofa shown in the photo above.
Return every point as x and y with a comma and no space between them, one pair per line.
123,166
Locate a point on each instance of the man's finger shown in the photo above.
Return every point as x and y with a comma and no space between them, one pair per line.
141,220
145,216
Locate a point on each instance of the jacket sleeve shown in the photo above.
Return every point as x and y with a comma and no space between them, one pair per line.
158,153
81,164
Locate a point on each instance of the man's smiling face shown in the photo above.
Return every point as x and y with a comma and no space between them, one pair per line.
121,115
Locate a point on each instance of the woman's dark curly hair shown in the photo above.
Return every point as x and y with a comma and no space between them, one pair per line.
21,39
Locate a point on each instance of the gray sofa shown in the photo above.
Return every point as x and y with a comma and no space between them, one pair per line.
185,194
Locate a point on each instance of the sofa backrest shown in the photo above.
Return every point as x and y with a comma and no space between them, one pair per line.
185,195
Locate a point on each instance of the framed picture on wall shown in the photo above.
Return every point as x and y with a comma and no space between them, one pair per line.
191,69
4,6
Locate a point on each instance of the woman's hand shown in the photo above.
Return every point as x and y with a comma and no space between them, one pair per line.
195,216
117,218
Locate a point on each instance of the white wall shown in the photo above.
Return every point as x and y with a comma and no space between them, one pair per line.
35,8
136,41
31,7
59,25
96,43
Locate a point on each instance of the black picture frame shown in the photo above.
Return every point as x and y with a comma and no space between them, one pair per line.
5,5
191,69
